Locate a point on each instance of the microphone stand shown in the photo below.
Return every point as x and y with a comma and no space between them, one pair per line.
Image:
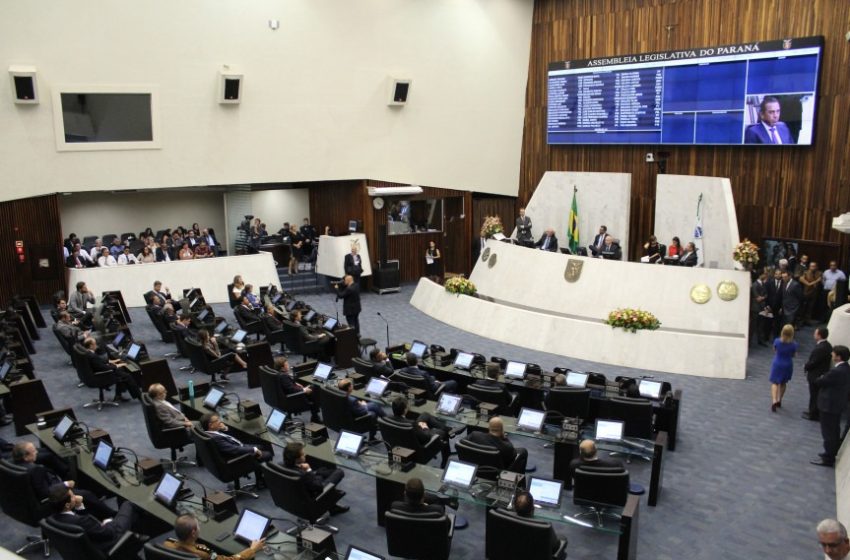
388,327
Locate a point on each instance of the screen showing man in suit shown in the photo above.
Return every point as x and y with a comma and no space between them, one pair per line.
769,129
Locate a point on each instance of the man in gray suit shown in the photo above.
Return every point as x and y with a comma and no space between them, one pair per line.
792,298
523,230
166,412
832,400
78,301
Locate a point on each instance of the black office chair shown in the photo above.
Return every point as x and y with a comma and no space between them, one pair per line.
232,299
636,413
363,367
487,457
108,239
417,382
494,395
273,396
596,378
600,490
99,380
89,241
400,434
255,327
290,493
182,349
571,402
165,333
296,342
503,363
72,543
18,501
202,361
156,551
508,536
424,536
274,337
533,369
436,348
338,416
226,470
165,438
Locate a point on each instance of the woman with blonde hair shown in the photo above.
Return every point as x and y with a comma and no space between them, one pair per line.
782,367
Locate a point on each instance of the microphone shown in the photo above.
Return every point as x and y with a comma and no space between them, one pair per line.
238,404
136,467
186,477
87,433
388,327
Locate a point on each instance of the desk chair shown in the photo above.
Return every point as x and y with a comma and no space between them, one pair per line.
363,367
508,536
72,543
503,363
417,382
182,349
273,396
165,333
18,501
400,434
202,362
338,416
419,536
99,380
251,327
274,337
505,401
108,239
599,490
165,438
572,402
156,551
67,345
636,413
89,241
233,300
294,339
487,457
226,470
290,493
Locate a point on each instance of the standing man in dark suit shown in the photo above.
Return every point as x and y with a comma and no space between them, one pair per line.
349,293
774,301
792,299
514,459
598,241
353,264
228,445
758,301
523,230
833,387
548,242
770,130
295,458
818,364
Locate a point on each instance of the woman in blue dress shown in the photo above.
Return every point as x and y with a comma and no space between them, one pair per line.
782,366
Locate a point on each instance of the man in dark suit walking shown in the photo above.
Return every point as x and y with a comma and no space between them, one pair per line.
774,301
349,293
833,387
792,298
818,364
758,301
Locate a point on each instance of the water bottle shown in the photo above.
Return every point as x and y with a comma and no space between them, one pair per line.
191,392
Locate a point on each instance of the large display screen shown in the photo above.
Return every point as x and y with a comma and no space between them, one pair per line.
752,93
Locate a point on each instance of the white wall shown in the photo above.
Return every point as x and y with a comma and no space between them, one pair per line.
314,96
278,206
102,213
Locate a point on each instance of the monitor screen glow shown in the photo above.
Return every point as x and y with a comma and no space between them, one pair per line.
418,348
515,370
118,339
546,493
577,379
463,360
221,327
348,443
276,420
251,525
60,432
330,324
609,430
167,489
531,419
323,371
377,386
213,398
649,389
102,455
239,336
459,474
355,553
448,404
133,351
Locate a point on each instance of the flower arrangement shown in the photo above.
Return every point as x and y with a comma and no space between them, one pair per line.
492,225
460,285
747,253
633,320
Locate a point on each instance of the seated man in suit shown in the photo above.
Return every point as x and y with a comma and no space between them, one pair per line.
76,259
245,311
25,454
381,365
323,338
514,459
79,300
163,293
70,508
270,319
424,427
434,386
769,129
166,412
610,250
99,361
492,381
524,507
548,242
598,241
155,306
418,501
689,256
589,457
289,386
228,445
295,458
361,408
187,531
69,328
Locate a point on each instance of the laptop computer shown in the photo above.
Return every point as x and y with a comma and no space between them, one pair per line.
133,352
530,420
546,493
63,428
118,341
239,336
203,314
323,372
348,444
377,387
459,474
609,430
221,327
330,324
463,360
291,305
213,398
577,379
515,370
103,455
356,553
449,405
418,348
167,490
251,526
5,368
649,389
309,316
276,421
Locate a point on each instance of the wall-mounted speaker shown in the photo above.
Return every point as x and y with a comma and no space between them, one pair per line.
230,88
399,91
24,84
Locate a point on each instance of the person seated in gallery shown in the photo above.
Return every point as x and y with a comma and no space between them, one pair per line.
105,259
689,256
202,250
651,251
185,253
548,242
674,251
610,250
126,257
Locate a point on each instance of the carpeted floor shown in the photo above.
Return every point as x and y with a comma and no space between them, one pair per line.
739,484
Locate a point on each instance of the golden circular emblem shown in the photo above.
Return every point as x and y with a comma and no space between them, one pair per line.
485,254
727,290
491,262
700,293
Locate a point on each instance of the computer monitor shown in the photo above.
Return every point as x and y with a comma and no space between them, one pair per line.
348,444
546,493
119,338
649,389
239,336
530,420
418,348
167,490
251,526
459,474
277,297
102,455
194,303
515,370
609,430
133,352
203,314
5,368
291,305
276,420
213,398
330,324
63,428
352,226
355,553
577,379
463,360
221,327
323,371
309,316
449,404
377,387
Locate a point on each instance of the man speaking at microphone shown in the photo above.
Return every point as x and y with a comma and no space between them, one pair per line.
349,293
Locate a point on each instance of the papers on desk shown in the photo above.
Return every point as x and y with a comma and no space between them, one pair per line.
498,236
429,259
644,259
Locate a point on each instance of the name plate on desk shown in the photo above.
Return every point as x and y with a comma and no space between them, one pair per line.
570,428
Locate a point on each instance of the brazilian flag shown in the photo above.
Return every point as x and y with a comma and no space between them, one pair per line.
572,231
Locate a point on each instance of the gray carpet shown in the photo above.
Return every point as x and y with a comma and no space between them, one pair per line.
739,484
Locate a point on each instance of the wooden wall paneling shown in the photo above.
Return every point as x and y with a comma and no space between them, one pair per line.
787,192
35,221
503,207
